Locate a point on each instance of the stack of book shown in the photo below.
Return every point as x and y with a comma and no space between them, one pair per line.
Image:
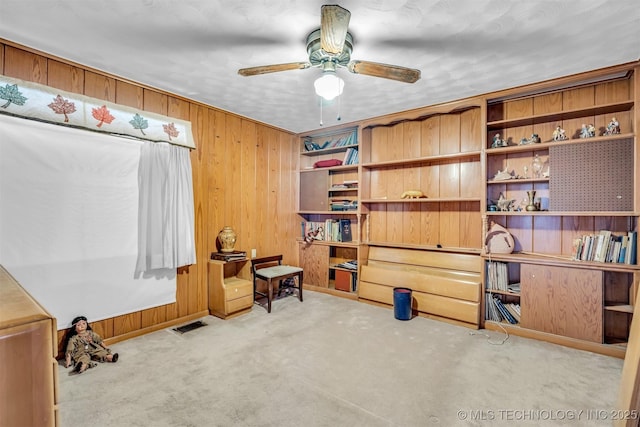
349,265
339,204
499,311
350,156
342,141
497,276
606,247
229,256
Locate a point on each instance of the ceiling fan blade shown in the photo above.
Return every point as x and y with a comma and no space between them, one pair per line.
393,72
264,69
334,23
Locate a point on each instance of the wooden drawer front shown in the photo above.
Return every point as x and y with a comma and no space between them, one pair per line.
450,286
374,292
238,304
464,311
239,289
442,260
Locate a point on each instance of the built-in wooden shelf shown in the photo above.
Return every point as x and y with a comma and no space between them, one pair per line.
423,200
561,260
545,145
341,168
518,181
421,160
338,213
423,247
328,150
560,213
623,308
353,244
496,291
561,115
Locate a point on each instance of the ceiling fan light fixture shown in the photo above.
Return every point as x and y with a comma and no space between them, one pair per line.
329,85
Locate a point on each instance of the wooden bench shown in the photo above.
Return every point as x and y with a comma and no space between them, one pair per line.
445,286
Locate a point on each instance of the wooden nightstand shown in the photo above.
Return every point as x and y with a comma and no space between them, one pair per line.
229,295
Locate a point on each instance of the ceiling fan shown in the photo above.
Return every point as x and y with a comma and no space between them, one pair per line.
330,47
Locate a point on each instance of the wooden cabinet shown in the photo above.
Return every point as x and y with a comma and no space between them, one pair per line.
314,260
28,368
585,185
320,261
562,301
229,295
582,305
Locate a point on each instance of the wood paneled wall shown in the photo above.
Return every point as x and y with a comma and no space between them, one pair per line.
244,175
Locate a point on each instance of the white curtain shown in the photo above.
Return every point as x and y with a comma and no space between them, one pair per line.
166,220
69,221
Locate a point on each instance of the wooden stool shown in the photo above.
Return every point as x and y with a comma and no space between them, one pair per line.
270,269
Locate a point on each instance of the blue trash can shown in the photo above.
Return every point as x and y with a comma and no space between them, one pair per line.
402,303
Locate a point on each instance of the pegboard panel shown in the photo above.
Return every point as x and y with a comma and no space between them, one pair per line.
591,176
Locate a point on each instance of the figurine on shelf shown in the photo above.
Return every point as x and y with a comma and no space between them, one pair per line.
503,204
534,139
412,194
503,175
559,134
498,142
587,131
613,128
317,234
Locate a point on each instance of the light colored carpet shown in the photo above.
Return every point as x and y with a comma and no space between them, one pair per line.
334,362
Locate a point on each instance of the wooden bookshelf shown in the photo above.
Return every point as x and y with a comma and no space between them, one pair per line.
584,304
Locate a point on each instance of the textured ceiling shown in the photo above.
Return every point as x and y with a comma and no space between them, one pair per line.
194,48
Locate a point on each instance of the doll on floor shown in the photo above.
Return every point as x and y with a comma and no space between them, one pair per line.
83,345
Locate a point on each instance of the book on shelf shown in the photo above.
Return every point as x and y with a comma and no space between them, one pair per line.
602,249
345,140
606,247
514,287
491,311
497,276
343,205
632,247
345,230
350,156
511,308
623,249
503,311
349,265
229,256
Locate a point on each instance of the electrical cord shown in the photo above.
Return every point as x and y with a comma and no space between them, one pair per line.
506,337
506,333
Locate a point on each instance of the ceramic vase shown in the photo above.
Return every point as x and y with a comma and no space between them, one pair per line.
227,239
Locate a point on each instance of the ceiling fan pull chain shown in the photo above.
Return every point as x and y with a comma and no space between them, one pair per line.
321,123
338,118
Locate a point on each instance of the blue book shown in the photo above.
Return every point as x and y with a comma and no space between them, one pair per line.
504,312
633,247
